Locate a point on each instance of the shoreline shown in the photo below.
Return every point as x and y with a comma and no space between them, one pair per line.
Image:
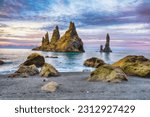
73,86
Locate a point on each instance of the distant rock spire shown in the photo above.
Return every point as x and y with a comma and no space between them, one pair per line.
107,45
45,40
55,35
101,48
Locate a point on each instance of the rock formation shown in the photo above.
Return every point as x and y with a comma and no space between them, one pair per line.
135,65
29,67
48,70
36,59
1,62
108,73
69,42
107,45
94,62
45,40
55,35
50,87
26,71
101,48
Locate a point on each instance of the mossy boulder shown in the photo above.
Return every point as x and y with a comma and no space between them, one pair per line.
108,73
31,70
48,70
25,71
93,62
135,65
36,59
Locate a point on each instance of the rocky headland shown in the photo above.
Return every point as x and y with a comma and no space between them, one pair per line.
69,42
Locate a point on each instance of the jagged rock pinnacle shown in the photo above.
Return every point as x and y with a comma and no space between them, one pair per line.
71,32
69,42
55,35
45,40
107,45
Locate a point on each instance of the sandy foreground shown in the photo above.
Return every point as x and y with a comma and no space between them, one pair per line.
73,86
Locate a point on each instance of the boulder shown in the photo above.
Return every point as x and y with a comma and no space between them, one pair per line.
135,65
108,73
50,87
94,62
26,71
48,70
36,59
1,62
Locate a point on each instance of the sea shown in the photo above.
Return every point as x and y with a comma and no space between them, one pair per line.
68,62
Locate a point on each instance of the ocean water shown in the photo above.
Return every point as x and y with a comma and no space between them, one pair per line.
67,62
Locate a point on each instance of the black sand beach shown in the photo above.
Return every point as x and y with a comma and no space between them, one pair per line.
73,86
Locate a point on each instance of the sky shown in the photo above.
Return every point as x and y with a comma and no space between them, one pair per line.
23,23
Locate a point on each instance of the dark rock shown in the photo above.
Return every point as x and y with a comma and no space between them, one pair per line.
51,56
107,45
101,48
94,62
1,62
135,65
108,73
36,59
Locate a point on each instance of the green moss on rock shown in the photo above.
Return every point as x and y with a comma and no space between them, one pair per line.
135,65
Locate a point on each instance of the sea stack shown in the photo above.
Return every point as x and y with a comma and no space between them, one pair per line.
69,42
55,35
107,45
45,41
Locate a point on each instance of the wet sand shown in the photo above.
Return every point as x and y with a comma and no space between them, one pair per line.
73,86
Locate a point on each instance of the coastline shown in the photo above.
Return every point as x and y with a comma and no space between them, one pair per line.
73,86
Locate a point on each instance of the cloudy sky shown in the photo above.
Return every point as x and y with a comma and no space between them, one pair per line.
24,22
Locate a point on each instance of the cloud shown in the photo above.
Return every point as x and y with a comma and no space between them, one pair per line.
30,19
